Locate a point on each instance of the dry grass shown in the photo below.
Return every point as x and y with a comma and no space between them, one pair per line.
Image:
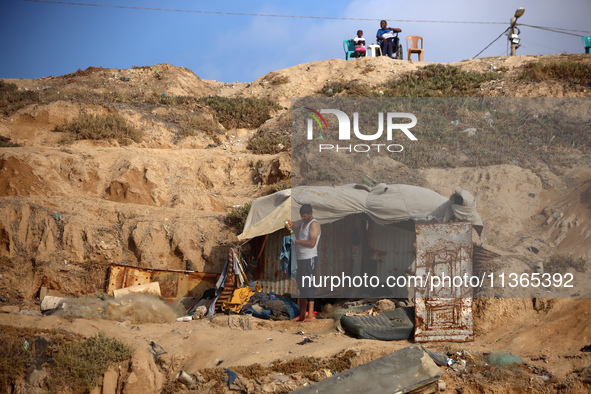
429,81
501,133
14,360
101,127
275,79
437,81
268,143
12,99
78,366
234,113
191,124
237,217
561,263
566,70
5,142
346,89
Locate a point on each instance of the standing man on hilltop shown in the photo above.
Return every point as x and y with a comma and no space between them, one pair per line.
307,257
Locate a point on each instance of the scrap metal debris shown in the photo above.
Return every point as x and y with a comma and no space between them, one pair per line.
305,341
156,349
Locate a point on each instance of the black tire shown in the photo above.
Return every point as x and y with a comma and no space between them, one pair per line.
399,52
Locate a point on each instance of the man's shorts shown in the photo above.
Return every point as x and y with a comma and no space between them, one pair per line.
306,267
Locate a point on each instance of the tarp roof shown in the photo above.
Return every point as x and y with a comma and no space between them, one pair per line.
385,204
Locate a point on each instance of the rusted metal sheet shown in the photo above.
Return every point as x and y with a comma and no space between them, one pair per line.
173,284
271,278
443,307
443,319
481,257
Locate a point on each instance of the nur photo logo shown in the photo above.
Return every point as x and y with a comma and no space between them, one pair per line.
389,124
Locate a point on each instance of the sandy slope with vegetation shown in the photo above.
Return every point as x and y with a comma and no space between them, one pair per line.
143,166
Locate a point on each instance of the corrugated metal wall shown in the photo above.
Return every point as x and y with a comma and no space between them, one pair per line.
271,278
381,250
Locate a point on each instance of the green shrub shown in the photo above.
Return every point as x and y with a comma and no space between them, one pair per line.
235,113
346,89
190,124
322,177
560,263
78,366
429,81
437,81
237,217
5,143
275,79
101,127
576,72
14,361
12,99
503,136
264,143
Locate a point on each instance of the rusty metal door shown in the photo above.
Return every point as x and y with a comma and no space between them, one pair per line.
443,307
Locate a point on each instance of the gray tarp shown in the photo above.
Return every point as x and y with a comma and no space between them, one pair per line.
385,204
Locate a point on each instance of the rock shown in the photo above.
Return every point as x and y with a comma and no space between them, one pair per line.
36,378
276,170
470,131
198,377
200,312
30,313
144,377
384,305
164,361
9,309
110,381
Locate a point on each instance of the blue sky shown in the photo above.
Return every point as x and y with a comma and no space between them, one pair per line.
43,39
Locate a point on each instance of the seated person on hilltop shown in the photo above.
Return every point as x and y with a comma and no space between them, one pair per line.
359,42
387,38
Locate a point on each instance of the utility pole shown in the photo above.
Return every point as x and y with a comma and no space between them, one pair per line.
514,38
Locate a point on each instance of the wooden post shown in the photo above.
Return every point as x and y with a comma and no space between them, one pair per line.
513,20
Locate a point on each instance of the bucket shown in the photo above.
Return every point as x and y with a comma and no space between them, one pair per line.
587,43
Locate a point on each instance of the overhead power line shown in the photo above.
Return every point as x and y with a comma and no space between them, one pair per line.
249,14
492,42
540,45
557,30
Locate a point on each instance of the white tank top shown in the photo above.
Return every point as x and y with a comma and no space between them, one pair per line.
303,252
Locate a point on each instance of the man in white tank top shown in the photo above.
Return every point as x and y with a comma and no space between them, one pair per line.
307,256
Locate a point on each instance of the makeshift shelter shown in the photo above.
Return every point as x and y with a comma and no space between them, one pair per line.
360,225
384,204
374,230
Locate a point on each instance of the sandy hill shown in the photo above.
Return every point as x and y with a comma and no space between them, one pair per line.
70,207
